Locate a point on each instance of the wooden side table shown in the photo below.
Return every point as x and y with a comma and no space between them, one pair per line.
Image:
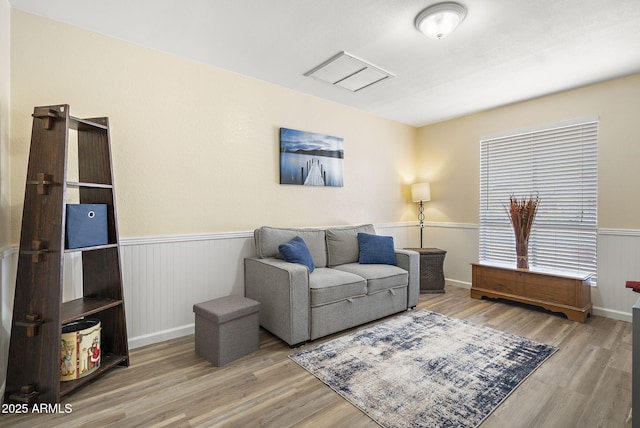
431,269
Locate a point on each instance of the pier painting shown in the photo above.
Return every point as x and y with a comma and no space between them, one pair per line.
311,159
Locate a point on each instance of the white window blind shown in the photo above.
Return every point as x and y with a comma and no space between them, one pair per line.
560,164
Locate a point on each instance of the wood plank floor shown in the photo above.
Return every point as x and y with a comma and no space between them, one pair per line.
587,383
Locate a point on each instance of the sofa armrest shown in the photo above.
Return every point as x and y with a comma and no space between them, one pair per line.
282,289
410,261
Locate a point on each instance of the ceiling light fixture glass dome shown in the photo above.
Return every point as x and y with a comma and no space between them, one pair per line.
441,19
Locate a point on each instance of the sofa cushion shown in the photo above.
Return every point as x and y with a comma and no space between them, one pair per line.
268,239
379,277
331,285
342,244
296,251
376,249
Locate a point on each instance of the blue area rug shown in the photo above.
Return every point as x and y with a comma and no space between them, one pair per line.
423,369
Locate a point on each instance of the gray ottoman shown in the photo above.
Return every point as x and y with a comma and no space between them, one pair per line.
226,328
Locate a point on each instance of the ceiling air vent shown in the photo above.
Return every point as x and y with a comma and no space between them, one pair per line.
349,72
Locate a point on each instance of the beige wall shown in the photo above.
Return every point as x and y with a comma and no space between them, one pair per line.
4,123
195,148
5,178
448,152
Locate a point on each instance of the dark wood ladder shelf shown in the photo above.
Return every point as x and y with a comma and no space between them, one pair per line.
39,313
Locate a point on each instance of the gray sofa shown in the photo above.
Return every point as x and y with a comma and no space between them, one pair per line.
340,293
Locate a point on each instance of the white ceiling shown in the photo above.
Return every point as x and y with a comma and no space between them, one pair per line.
505,50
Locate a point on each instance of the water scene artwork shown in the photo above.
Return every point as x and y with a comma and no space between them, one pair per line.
311,159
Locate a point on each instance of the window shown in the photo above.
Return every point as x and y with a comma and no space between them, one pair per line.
560,164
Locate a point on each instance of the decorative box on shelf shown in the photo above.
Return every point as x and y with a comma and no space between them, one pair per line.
86,225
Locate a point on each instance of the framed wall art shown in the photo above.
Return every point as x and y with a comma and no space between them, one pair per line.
311,159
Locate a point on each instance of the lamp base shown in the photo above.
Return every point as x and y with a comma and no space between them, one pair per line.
421,220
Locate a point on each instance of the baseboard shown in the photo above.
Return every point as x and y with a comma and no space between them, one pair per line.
456,283
185,330
161,336
610,313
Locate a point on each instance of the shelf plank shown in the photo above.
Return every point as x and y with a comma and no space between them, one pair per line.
78,308
90,185
86,125
96,247
107,361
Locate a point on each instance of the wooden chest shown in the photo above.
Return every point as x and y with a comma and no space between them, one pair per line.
566,293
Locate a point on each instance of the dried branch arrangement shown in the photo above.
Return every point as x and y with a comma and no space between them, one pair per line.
522,213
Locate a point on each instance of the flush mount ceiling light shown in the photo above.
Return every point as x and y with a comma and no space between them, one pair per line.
441,19
349,72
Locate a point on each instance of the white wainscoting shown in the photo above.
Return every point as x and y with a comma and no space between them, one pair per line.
8,264
164,276
618,262
460,241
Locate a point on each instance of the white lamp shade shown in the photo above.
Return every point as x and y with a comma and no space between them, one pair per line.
420,192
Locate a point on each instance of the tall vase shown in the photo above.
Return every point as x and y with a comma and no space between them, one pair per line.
522,253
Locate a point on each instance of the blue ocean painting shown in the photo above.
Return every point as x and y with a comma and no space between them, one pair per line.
311,159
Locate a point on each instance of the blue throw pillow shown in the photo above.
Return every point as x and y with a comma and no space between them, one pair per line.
296,251
375,249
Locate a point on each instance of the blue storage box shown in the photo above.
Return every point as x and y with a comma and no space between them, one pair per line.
86,225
